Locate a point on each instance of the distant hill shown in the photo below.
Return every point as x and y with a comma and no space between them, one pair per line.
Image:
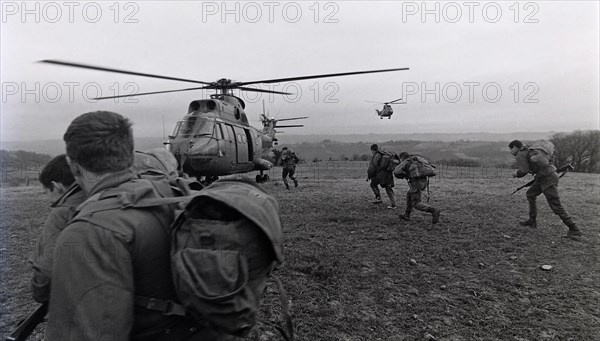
443,137
55,147
487,153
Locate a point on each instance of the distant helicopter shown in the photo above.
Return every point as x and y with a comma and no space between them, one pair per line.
214,138
387,110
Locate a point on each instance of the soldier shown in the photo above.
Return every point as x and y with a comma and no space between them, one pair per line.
288,162
536,160
106,258
380,176
58,183
415,187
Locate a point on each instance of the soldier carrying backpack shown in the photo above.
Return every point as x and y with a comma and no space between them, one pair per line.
131,267
538,159
288,164
416,170
379,175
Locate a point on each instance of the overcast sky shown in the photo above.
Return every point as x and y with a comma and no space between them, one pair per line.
476,66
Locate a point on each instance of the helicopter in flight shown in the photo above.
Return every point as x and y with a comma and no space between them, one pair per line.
214,137
387,110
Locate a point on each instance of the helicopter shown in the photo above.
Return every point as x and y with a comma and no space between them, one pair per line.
387,110
214,137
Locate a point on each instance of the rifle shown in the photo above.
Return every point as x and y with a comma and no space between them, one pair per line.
563,170
26,327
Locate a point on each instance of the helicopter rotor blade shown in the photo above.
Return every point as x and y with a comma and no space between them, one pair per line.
100,68
149,93
318,76
396,100
292,118
375,102
398,103
291,126
260,90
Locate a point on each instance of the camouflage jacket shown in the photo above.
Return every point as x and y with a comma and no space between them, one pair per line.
113,255
63,210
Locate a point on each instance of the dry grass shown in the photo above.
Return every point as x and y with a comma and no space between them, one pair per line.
348,272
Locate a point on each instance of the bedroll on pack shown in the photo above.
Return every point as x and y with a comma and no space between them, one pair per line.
545,146
389,160
541,159
415,166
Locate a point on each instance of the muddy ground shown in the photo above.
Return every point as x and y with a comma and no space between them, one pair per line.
354,271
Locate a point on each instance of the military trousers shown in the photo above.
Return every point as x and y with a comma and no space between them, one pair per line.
288,171
547,185
388,190
413,196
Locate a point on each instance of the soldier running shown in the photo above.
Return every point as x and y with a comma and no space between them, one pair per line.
288,162
380,176
416,186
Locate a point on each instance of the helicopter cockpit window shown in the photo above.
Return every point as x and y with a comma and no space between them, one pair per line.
188,126
205,127
176,129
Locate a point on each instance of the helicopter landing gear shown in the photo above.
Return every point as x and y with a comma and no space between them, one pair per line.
260,178
389,117
381,117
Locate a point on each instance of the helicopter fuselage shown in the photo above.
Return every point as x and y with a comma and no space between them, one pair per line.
214,138
387,111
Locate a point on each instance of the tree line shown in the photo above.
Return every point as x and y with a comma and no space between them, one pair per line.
580,148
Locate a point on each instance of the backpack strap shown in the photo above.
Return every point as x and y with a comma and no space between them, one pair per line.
166,307
285,310
137,198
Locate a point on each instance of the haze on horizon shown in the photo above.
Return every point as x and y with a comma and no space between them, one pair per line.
474,66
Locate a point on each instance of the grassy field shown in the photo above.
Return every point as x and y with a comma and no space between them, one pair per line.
354,271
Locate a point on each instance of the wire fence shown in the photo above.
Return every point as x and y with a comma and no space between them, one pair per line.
335,170
24,173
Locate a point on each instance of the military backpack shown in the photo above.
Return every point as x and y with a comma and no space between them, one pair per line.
415,166
389,160
543,159
226,239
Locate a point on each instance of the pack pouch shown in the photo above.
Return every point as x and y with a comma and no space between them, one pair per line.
211,273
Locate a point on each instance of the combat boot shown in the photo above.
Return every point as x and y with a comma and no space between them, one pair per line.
295,183
574,231
530,222
287,186
377,200
405,216
574,234
435,216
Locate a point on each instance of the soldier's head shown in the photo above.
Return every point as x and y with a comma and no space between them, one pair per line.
284,148
100,142
403,155
374,148
56,177
515,146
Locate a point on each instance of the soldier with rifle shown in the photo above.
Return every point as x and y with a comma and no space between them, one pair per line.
536,159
